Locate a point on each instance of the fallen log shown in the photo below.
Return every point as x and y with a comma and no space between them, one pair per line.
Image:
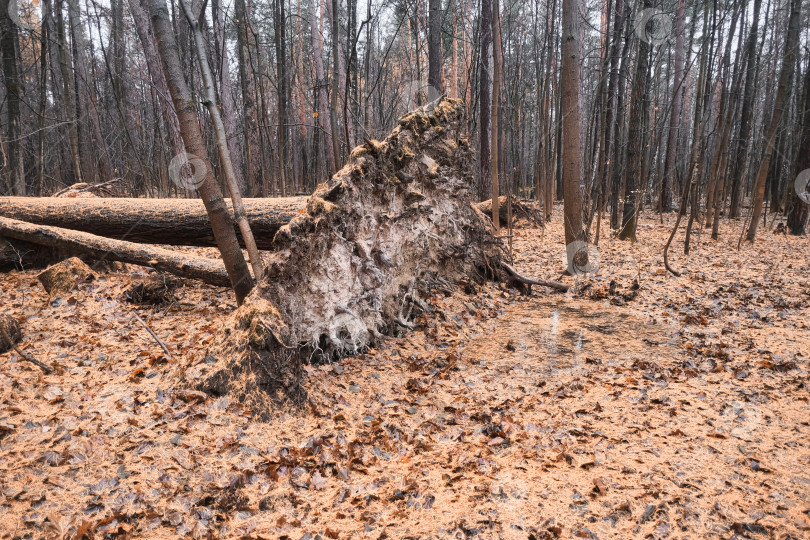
180,222
188,266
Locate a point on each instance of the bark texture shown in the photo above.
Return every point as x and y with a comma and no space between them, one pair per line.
206,270
182,222
395,221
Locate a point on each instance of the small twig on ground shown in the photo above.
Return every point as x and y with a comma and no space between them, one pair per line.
562,287
154,335
25,355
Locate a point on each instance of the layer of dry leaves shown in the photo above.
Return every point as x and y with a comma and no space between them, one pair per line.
677,408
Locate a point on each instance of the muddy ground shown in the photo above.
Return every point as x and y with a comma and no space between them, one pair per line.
674,408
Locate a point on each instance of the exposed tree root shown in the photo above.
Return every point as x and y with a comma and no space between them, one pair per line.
395,222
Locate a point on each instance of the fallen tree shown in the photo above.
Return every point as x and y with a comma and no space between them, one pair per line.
182,222
207,270
392,225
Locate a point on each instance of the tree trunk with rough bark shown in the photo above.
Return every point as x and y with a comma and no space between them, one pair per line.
572,156
799,209
9,47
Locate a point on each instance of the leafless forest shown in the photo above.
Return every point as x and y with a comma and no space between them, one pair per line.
707,94
309,269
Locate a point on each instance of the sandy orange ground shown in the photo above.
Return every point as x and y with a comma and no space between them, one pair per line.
680,413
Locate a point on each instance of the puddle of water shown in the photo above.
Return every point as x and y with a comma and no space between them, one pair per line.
566,335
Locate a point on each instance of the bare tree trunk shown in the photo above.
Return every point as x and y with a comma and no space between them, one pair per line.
797,216
180,264
147,39
633,159
283,93
252,149
746,116
572,154
221,137
334,27
321,88
484,96
782,96
69,91
226,92
435,20
44,51
210,193
667,180
8,47
495,139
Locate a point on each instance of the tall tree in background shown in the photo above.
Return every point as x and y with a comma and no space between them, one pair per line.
484,96
675,113
495,139
283,93
321,88
68,91
11,76
797,217
638,98
435,61
572,155
782,95
186,109
245,55
746,115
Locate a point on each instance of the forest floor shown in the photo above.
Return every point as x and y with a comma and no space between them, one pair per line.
677,410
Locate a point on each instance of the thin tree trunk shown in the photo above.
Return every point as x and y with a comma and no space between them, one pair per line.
69,91
321,88
210,193
435,20
484,96
221,137
496,111
252,149
746,116
633,159
667,180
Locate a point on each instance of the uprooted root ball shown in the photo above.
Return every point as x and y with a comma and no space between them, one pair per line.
394,222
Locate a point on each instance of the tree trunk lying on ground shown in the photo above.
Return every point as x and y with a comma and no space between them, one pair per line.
207,270
180,222
395,223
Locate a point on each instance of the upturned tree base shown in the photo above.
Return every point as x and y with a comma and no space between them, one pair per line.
394,222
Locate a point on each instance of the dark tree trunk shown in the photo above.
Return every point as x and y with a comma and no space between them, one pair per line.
435,20
746,115
11,77
633,160
485,97
797,216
